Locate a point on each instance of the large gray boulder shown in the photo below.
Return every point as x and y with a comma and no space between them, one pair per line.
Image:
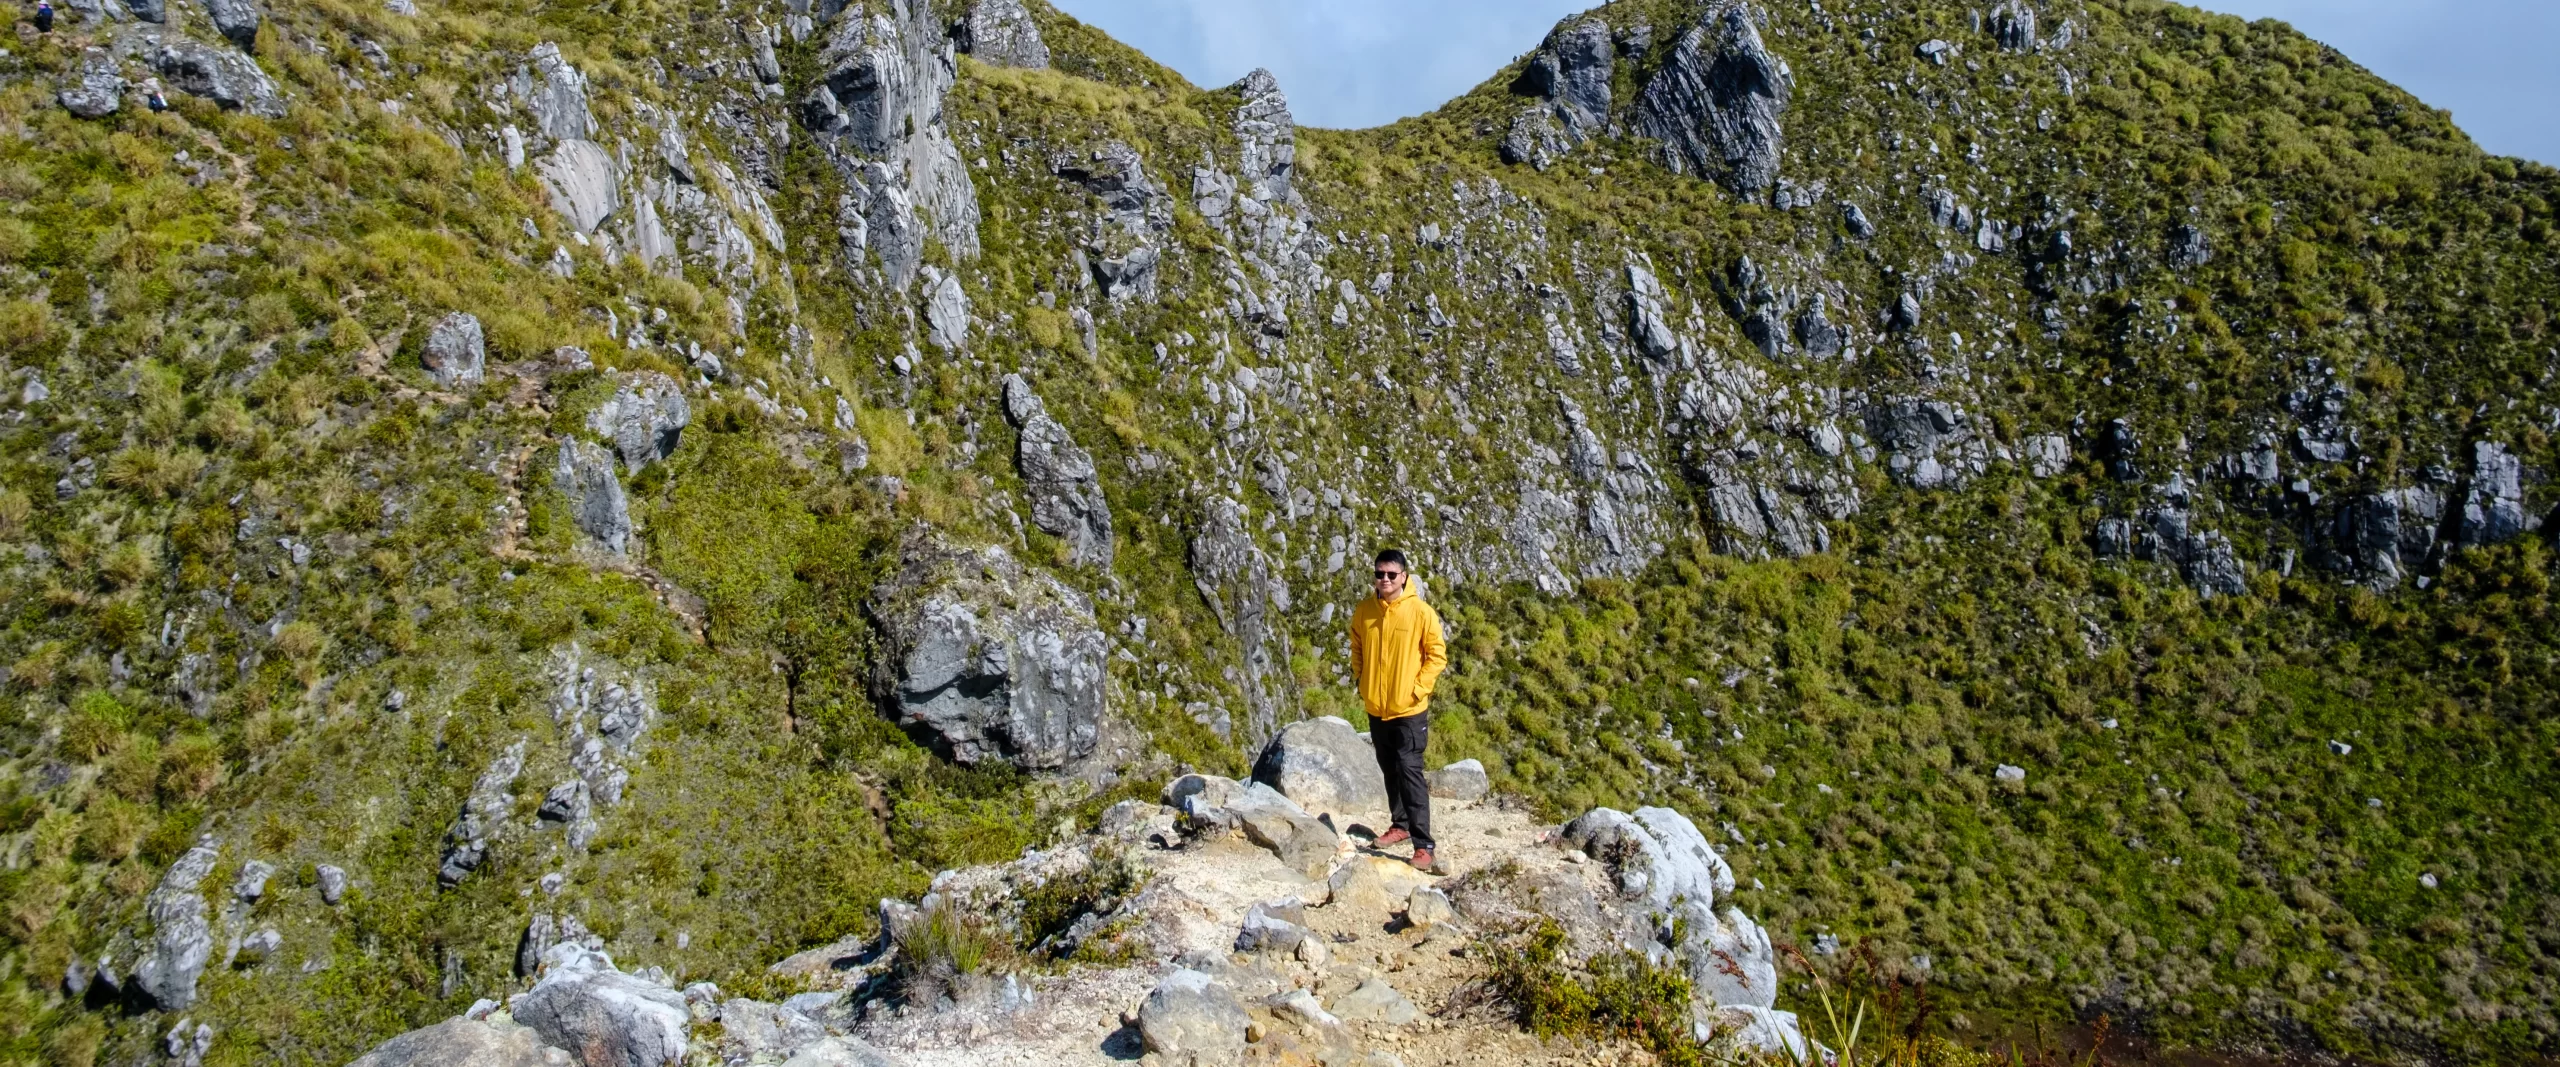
985,659
230,79
1190,1016
237,20
584,473
457,352
100,90
181,938
1325,767
1065,489
1304,843
645,418
1001,32
1715,105
466,1043
946,314
605,1018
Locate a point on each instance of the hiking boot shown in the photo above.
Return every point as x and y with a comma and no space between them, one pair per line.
1423,860
1394,836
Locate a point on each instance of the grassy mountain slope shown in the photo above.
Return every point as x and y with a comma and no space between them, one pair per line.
212,326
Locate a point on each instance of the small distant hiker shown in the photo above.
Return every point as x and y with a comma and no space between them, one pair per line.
1398,652
151,95
44,16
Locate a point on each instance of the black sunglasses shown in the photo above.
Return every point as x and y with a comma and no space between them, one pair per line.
1387,575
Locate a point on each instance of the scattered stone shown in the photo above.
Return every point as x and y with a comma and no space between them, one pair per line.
1428,907
985,659
457,351
1302,1008
2010,774
257,947
1303,842
1191,1015
251,883
1376,1002
2340,748
333,884
1274,926
1324,766
1464,781
1059,477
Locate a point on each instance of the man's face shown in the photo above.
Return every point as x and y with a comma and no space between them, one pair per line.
1389,580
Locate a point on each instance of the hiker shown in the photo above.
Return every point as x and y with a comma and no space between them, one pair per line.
44,16
1397,653
151,95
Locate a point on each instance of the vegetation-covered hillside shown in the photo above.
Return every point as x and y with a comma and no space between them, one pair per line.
2061,488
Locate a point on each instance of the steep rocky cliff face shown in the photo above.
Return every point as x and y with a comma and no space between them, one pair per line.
2061,489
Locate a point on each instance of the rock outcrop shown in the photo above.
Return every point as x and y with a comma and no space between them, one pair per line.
1002,32
645,418
457,351
99,92
987,660
604,1017
584,473
466,1043
181,937
484,813
1715,106
231,80
1326,767
237,20
1239,583
1065,489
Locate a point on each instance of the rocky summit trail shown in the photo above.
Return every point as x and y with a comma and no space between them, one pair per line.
1242,929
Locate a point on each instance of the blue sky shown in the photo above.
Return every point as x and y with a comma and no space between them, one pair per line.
1352,63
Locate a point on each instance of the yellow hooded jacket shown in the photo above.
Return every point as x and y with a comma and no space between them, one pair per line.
1397,653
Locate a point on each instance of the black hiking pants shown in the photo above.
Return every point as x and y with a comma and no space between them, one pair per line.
1401,745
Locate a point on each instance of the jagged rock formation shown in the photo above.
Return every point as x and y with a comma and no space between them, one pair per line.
1066,493
987,660
1716,105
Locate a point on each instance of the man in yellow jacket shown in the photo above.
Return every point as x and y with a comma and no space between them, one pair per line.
1397,653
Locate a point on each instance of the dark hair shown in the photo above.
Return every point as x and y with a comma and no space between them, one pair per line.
1395,557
